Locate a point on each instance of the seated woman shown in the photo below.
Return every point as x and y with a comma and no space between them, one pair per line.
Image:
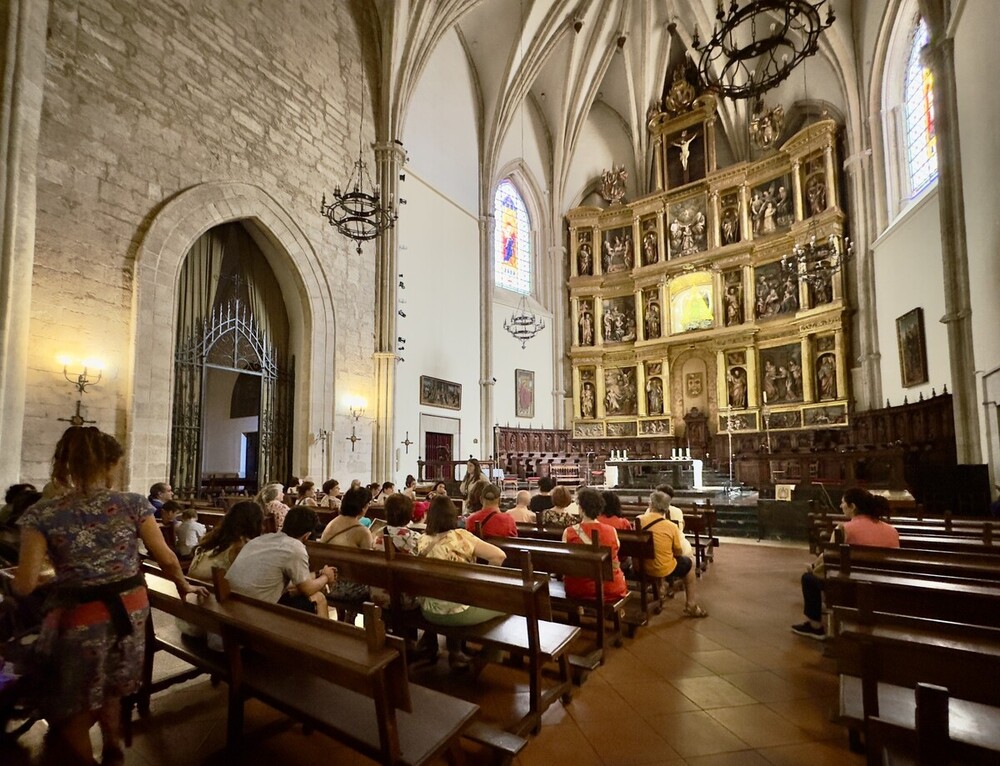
559,514
591,507
219,547
864,527
398,514
445,540
307,494
612,514
271,499
347,530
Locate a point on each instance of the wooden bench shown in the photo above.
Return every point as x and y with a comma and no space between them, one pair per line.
882,657
526,628
942,566
347,682
560,559
822,525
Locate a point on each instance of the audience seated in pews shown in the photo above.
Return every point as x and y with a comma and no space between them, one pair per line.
520,512
561,514
347,530
543,500
612,514
307,494
398,515
410,486
439,489
220,546
331,495
271,499
676,515
379,494
591,508
14,502
864,527
494,522
159,493
188,532
275,567
669,563
444,540
169,513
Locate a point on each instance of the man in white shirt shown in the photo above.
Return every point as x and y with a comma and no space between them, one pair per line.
275,567
520,511
188,533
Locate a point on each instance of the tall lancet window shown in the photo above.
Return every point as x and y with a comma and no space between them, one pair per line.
918,107
511,240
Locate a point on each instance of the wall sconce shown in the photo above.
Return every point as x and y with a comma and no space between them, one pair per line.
81,381
357,406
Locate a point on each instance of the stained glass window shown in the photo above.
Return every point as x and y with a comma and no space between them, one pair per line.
511,240
918,106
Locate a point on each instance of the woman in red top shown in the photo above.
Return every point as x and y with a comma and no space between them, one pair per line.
612,515
591,506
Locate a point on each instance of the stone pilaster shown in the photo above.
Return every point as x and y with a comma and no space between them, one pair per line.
486,224
24,30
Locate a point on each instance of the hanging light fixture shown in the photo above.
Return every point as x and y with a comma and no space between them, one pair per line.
357,211
816,261
523,324
756,45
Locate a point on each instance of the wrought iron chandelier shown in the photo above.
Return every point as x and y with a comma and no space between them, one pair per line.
757,44
358,214
523,324
816,261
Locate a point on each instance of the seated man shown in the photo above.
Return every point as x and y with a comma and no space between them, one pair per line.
668,562
520,512
159,493
495,523
275,567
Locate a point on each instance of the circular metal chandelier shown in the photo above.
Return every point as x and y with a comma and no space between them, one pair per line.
358,214
523,324
756,45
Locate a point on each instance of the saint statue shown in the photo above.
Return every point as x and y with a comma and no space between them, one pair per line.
584,260
654,397
737,380
586,326
652,320
587,401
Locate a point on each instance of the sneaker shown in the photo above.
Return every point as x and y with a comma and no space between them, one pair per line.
695,610
807,630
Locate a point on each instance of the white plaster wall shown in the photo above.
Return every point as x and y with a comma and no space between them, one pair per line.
908,274
602,143
439,260
508,356
536,155
440,132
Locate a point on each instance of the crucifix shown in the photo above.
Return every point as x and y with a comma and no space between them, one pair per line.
406,442
353,438
77,419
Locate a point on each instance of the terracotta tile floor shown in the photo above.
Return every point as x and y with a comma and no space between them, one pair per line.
735,689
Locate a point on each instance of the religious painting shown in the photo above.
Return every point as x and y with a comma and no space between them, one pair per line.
776,291
736,383
619,319
657,427
834,415
814,185
729,218
652,321
588,393
736,357
912,348
771,206
781,374
685,157
620,396
732,283
585,322
691,305
622,429
650,241
617,250
694,384
524,393
686,226
585,253
746,421
826,377
654,396
784,419
588,430
440,393
826,343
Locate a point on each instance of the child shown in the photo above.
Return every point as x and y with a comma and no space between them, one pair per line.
189,532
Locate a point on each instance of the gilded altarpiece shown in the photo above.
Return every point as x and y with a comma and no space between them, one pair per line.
695,270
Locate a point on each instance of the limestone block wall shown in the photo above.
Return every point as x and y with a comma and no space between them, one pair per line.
144,102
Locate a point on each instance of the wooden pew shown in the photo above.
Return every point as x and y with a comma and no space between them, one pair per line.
572,560
525,629
821,526
347,682
941,566
882,657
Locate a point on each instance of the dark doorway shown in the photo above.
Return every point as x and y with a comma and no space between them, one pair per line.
438,449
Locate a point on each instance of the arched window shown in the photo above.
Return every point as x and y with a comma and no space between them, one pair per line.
511,240
918,109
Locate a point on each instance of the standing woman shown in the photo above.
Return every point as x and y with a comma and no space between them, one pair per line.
93,634
473,474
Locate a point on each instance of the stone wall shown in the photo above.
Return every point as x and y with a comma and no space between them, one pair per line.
142,102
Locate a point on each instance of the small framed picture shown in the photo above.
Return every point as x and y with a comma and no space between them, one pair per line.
524,393
912,348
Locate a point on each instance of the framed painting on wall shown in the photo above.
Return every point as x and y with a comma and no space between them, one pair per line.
912,348
440,393
524,393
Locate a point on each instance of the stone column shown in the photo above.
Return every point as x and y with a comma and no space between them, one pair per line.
797,191
389,159
560,274
808,370
940,57
24,27
831,177
714,234
486,383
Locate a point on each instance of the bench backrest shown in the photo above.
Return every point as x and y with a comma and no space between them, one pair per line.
942,565
557,558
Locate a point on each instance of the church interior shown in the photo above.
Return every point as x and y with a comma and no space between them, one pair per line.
595,243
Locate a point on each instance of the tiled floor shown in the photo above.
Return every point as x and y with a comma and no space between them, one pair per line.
735,689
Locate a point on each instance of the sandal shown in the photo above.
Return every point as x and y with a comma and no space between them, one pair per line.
695,610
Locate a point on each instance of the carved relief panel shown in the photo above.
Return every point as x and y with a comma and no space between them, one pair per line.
619,319
617,250
771,206
687,226
620,391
